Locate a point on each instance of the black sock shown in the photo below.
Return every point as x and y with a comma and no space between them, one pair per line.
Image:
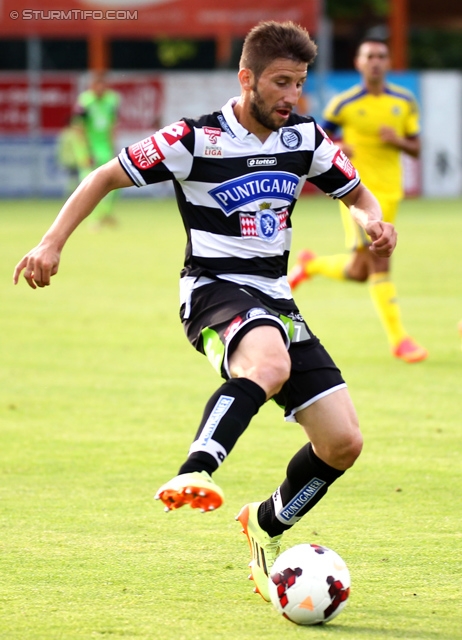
226,417
307,481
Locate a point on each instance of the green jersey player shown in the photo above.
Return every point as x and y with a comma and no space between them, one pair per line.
97,109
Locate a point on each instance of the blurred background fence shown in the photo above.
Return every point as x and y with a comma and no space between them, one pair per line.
174,58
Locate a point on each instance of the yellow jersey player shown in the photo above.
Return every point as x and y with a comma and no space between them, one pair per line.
378,121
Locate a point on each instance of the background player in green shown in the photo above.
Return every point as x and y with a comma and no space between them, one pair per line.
72,154
97,109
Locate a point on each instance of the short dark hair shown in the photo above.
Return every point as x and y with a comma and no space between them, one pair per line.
373,39
270,40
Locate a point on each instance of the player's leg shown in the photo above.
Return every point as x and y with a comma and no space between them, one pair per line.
250,348
339,266
315,395
335,443
385,298
260,365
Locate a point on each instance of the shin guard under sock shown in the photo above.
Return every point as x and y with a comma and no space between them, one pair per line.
226,417
307,481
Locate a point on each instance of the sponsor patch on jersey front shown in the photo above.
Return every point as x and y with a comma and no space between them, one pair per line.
174,132
145,154
235,194
291,138
265,224
262,162
342,162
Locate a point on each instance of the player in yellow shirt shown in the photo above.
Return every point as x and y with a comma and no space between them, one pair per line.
378,121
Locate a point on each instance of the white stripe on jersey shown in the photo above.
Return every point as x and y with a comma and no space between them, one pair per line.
132,171
212,245
278,288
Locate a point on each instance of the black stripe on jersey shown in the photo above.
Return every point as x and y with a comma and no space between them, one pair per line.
273,267
332,180
295,118
188,140
157,173
211,170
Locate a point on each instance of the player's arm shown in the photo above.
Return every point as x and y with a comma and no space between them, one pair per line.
407,144
42,262
334,132
365,209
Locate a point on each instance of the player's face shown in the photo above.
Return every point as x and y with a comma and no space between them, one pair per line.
276,93
373,61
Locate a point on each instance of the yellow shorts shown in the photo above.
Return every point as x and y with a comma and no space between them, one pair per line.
355,236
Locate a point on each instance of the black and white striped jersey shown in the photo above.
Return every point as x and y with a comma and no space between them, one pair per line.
236,194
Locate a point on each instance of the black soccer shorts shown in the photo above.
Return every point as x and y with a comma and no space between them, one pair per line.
220,315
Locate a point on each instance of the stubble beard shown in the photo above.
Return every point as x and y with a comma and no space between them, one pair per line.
261,113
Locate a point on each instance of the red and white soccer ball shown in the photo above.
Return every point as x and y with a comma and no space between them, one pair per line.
309,584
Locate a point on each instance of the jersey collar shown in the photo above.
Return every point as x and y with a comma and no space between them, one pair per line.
235,126
228,113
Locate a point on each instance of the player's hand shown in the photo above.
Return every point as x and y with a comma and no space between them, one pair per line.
383,236
389,136
38,265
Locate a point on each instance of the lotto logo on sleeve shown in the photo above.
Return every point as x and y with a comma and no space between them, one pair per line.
342,162
145,154
175,132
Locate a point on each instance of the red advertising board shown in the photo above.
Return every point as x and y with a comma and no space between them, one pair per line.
148,18
48,98
44,102
141,103
14,104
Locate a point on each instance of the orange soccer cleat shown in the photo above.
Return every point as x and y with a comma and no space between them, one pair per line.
298,273
196,489
409,351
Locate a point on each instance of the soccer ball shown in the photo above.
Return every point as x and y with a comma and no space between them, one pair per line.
309,584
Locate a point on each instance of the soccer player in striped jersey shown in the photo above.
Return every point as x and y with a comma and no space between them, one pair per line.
237,174
378,121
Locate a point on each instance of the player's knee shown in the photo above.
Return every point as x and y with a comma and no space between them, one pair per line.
344,451
348,450
271,372
276,372
351,449
358,273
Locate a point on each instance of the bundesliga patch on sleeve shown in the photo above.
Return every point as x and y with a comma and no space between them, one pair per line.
342,162
145,154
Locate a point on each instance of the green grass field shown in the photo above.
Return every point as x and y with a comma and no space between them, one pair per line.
100,396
